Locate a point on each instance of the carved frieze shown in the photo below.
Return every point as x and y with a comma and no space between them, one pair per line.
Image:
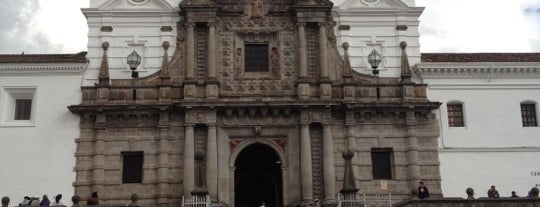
257,116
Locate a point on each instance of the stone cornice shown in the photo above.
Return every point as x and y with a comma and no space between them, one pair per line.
377,11
441,70
34,69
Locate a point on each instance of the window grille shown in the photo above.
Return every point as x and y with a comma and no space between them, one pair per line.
381,160
256,58
528,115
132,171
23,109
455,115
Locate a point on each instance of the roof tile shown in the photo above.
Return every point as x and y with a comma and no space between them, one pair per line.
480,57
44,58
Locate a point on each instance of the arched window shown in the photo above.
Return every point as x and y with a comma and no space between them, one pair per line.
455,114
528,114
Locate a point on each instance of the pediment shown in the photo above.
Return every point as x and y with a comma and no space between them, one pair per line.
358,4
114,5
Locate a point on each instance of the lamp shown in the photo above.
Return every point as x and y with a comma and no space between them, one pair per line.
134,60
374,58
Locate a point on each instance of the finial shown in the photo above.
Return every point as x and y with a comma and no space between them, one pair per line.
166,45
105,45
345,45
103,77
405,67
403,44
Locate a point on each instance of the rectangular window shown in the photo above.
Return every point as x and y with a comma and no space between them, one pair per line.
18,106
528,115
256,58
132,171
23,109
381,159
455,115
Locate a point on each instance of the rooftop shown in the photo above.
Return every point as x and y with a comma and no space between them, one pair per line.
44,58
480,57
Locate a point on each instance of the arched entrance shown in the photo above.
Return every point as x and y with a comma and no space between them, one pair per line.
257,177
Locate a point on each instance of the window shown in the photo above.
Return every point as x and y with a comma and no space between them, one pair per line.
17,106
132,171
382,167
528,115
256,58
23,109
455,115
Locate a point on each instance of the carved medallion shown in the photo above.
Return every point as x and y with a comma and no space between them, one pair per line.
137,2
370,1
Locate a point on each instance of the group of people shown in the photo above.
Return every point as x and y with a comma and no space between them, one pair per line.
423,192
34,201
493,193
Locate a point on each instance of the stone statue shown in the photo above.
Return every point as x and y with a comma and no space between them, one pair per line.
274,60
256,8
238,61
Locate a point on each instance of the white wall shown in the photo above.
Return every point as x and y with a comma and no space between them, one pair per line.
493,148
373,26
135,27
39,159
508,170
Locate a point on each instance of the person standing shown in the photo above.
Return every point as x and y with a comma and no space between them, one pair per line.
93,199
45,201
514,195
423,191
493,193
57,201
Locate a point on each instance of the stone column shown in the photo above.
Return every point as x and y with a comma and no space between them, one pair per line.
350,123
351,139
212,51
211,82
328,164
306,169
323,51
98,173
212,162
302,50
303,83
163,158
190,52
325,83
411,142
189,159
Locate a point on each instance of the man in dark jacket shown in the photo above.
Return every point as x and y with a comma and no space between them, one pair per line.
422,191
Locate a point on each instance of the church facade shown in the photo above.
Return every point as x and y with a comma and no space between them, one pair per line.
260,90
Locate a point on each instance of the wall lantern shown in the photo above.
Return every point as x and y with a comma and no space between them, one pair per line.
374,59
134,60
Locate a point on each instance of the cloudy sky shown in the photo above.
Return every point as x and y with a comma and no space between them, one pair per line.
58,26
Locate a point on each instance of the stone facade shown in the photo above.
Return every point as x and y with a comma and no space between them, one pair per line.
296,114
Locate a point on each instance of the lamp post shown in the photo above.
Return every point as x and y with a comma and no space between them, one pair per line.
134,60
374,58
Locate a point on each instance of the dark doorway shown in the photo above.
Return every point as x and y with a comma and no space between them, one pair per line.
257,177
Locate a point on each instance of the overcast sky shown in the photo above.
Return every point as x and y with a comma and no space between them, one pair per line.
58,26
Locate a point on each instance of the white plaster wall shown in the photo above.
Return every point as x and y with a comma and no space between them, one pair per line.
135,27
39,159
507,170
493,148
374,27
492,112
